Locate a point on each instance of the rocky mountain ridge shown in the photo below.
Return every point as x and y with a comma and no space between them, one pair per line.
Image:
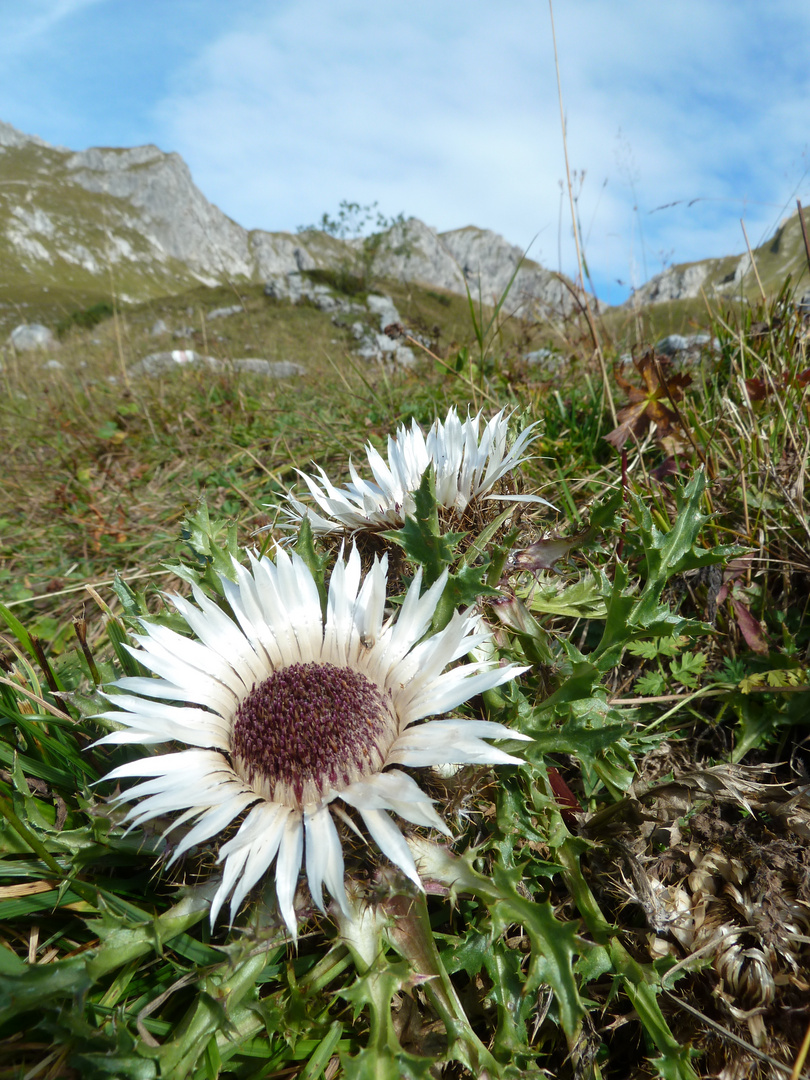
735,275
134,219
131,221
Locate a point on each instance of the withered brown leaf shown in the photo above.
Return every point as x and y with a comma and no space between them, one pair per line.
646,405
543,554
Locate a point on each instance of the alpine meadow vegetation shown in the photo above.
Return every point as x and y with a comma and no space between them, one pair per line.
479,751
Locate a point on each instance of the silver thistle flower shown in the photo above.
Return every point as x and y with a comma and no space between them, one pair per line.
467,459
283,714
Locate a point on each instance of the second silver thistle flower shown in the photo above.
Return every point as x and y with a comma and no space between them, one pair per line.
468,458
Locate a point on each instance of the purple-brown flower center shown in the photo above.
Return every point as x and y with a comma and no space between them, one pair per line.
309,728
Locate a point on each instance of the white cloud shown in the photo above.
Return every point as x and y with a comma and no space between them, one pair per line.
438,120
24,25
711,109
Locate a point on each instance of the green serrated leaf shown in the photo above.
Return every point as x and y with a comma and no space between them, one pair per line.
593,964
27,990
674,1062
581,678
468,955
687,668
316,564
514,999
421,538
581,599
651,684
603,515
652,649
375,1063
632,614
462,590
213,543
554,946
619,610
376,988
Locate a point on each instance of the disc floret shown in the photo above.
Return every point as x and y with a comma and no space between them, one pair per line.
309,730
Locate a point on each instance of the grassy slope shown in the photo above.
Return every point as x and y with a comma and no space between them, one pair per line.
125,461
79,219
99,473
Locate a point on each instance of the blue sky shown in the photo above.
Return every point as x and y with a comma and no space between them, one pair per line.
682,117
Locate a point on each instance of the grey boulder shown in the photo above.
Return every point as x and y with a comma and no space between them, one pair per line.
32,336
160,363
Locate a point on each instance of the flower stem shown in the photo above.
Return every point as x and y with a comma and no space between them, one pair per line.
411,934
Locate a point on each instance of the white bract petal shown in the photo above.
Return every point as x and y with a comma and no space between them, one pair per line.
214,820
395,790
324,856
287,866
453,742
390,841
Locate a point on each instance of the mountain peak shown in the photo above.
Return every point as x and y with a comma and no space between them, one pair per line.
11,137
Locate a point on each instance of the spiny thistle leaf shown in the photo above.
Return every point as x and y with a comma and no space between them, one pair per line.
213,547
554,944
384,1056
631,615
581,599
461,591
316,564
383,1064
421,536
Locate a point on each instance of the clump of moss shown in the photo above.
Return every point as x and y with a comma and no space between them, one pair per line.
341,279
85,318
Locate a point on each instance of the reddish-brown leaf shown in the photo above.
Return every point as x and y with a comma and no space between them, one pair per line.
646,404
750,629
